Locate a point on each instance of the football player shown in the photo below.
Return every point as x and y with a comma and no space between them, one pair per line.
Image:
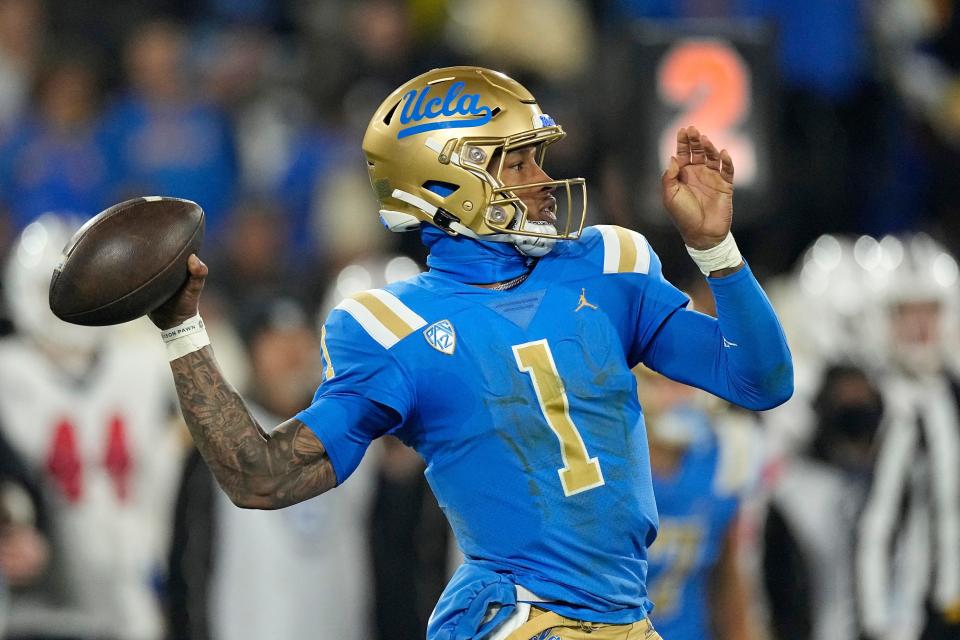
810,526
703,466
92,419
908,557
507,365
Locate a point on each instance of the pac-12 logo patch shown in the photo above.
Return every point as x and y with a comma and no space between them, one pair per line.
441,336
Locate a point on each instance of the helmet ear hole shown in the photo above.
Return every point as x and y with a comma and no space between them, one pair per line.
387,118
442,189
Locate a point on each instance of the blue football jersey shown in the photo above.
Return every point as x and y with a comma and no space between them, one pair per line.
524,407
697,505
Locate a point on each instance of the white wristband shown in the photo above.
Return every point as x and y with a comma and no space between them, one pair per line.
187,337
723,256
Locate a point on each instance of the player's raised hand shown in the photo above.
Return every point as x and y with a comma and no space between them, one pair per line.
698,190
185,302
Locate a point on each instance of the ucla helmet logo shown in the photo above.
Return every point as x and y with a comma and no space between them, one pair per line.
455,103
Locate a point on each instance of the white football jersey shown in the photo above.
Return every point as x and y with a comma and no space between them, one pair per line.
108,454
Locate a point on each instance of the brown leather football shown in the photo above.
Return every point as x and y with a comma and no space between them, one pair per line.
126,261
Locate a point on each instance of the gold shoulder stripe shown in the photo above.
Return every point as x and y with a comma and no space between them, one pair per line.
383,316
390,319
628,250
624,251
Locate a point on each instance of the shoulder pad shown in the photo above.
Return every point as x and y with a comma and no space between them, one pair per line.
624,251
382,315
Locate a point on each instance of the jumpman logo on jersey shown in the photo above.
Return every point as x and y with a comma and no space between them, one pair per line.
583,302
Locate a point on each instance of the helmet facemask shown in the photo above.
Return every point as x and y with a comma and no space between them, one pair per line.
505,213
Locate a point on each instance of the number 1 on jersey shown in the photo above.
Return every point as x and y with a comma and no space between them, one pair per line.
580,472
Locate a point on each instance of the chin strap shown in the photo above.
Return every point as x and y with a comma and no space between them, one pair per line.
531,246
441,218
397,221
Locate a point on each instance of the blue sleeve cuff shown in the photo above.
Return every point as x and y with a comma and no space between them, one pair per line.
346,425
732,279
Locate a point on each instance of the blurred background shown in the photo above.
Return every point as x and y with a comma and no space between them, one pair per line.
836,516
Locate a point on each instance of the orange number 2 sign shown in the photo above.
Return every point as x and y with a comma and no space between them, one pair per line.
710,82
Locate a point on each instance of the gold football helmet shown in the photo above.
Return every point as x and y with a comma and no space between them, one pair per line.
429,149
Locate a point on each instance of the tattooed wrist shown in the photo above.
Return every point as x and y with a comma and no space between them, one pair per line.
256,469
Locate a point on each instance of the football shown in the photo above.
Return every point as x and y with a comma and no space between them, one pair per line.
126,261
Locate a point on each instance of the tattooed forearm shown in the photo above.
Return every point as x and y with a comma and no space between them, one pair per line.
257,470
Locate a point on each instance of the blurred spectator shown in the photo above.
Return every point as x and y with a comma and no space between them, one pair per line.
890,306
701,471
409,541
921,59
552,39
57,159
828,308
22,30
345,219
324,228
253,261
24,550
357,53
256,77
167,140
90,415
816,502
284,152
363,47
307,565
919,39
108,25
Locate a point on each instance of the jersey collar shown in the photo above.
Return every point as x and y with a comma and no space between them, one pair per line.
471,261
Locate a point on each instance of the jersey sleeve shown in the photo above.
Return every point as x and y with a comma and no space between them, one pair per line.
364,393
659,299
741,355
635,270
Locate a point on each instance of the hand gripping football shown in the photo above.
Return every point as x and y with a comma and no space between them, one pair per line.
126,261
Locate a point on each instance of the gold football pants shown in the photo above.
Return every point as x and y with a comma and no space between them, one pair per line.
546,625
